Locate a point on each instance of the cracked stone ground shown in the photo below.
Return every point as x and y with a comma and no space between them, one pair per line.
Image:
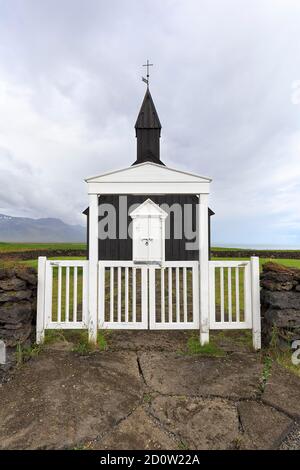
143,393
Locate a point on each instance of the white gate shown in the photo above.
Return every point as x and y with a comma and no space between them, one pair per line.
234,296
62,301
174,296
133,296
123,295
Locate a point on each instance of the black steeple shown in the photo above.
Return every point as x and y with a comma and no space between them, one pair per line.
148,129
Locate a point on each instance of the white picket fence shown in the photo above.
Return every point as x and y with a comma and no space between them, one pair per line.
132,296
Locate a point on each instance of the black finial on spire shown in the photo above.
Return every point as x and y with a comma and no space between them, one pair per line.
147,80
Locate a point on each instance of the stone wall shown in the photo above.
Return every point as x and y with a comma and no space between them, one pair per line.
18,287
280,301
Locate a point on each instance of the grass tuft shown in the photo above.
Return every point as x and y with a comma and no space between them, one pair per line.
101,340
211,349
282,355
23,354
266,373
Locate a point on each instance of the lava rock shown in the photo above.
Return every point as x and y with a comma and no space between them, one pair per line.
281,300
29,275
11,312
15,296
287,318
12,284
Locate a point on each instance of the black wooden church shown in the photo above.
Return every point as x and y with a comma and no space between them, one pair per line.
148,132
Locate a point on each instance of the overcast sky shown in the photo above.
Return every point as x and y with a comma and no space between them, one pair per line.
222,82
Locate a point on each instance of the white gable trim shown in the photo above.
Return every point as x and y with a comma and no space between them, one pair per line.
141,210
114,175
148,178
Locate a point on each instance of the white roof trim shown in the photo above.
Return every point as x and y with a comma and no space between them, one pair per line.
94,179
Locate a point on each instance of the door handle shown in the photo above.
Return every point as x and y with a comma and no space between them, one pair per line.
147,240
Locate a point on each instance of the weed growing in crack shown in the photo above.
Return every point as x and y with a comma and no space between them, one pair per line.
82,346
101,341
183,446
23,354
266,373
274,342
54,336
237,443
147,398
83,446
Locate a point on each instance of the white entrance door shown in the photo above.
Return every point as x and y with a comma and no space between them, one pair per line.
148,239
148,233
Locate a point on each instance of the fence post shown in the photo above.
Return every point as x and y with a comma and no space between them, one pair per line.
93,271
2,352
203,268
40,309
255,301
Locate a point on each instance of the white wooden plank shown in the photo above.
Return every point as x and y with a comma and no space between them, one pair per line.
126,326
85,297
144,301
70,263
230,326
75,283
170,299
229,295
212,294
237,294
40,318
49,310
126,294
196,303
162,295
134,295
152,296
229,264
247,296
184,293
119,293
59,288
93,268
222,293
67,299
111,300
101,295
67,326
177,296
255,296
203,267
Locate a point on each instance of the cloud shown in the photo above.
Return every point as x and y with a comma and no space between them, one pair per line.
222,82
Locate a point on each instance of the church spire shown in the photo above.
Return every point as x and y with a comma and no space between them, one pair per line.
148,129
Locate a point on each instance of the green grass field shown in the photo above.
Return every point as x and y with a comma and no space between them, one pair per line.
258,250
21,247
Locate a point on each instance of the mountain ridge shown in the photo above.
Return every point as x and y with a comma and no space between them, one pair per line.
47,229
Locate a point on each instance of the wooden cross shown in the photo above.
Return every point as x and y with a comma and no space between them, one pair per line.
147,65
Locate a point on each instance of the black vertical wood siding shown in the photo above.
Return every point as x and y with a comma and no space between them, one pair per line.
175,250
